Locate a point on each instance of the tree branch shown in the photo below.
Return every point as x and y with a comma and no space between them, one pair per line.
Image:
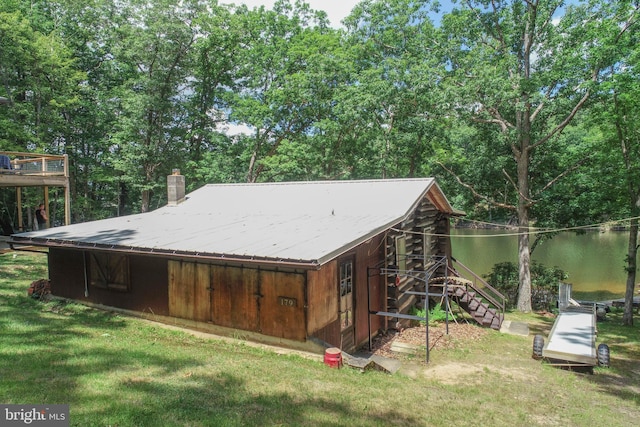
515,187
497,119
563,174
558,129
540,106
628,24
474,192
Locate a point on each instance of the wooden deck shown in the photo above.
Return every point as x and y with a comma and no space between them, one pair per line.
572,339
18,170
34,170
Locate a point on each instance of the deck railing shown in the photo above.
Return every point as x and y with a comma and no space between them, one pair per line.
19,169
480,286
36,164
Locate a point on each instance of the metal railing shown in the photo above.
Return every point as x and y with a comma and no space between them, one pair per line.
480,286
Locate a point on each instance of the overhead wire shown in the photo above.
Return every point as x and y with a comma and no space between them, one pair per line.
531,230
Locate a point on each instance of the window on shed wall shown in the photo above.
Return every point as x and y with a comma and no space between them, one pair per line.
346,294
109,271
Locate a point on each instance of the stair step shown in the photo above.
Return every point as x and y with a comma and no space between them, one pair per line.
481,309
496,323
487,320
478,319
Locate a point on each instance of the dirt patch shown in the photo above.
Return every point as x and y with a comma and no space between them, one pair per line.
454,373
446,372
459,334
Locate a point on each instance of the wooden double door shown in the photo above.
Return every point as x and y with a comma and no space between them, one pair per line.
264,301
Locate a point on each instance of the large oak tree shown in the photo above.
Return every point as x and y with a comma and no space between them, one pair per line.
521,70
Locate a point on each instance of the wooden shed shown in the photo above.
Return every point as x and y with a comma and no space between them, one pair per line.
292,263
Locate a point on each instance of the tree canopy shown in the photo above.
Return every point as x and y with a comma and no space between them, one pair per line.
526,111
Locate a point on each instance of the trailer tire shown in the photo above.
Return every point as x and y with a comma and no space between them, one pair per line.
538,345
604,357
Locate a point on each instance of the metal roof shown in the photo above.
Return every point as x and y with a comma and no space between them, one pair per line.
307,223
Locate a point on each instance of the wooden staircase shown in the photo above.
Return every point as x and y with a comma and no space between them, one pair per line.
484,303
479,310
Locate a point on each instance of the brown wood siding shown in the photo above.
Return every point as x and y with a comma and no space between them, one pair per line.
282,305
180,288
235,297
66,272
269,302
368,255
322,296
189,290
202,302
148,290
330,334
149,285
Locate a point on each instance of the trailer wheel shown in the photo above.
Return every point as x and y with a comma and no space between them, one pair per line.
603,356
538,344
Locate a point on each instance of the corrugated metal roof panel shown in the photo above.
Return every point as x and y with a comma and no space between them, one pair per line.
307,221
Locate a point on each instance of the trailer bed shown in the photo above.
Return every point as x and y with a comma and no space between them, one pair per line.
572,339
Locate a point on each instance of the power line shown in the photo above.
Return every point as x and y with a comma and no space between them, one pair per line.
532,230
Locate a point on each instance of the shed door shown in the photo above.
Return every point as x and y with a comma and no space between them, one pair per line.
235,297
189,291
346,292
282,305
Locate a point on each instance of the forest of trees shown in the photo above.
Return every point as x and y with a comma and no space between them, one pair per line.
526,111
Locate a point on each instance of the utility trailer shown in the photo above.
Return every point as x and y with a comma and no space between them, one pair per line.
572,340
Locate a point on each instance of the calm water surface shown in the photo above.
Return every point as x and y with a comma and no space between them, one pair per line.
594,261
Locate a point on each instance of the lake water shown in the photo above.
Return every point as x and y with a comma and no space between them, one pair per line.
594,261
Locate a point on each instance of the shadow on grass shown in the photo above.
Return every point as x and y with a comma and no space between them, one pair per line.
113,373
225,400
622,378
17,266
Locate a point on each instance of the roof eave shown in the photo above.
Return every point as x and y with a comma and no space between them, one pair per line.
235,259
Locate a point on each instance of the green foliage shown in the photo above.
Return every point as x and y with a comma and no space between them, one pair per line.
132,89
544,283
436,313
40,81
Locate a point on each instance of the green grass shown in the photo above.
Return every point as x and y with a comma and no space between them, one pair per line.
116,370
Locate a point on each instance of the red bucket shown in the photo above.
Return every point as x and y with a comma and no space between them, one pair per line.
333,357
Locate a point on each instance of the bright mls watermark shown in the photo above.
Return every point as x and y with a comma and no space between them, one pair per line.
34,415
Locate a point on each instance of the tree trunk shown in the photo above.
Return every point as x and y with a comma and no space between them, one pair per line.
524,261
251,172
145,200
627,317
524,253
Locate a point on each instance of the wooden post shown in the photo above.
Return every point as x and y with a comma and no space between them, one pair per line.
67,192
19,200
46,205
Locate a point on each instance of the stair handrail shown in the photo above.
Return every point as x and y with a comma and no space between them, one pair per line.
497,299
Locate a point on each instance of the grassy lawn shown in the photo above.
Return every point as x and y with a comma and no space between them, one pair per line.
120,371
